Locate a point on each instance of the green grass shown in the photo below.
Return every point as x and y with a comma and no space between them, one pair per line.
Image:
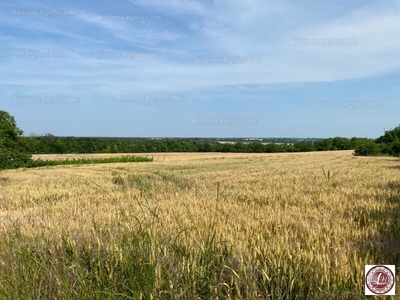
83,161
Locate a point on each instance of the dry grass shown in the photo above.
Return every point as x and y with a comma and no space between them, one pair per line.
181,156
205,225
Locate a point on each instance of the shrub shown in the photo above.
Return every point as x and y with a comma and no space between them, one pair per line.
13,153
368,148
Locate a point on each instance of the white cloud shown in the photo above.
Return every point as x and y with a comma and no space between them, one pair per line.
230,29
175,6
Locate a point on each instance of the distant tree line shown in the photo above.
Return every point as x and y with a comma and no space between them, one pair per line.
48,143
16,150
387,144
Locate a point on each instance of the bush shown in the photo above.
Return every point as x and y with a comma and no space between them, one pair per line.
13,153
84,161
368,148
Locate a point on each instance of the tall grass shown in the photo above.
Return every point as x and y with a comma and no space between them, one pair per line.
238,229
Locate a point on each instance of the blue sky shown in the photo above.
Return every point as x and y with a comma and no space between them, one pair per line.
185,68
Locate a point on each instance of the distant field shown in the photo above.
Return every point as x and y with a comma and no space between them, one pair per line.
175,156
199,226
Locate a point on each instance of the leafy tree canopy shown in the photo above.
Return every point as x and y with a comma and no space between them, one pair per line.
390,136
13,153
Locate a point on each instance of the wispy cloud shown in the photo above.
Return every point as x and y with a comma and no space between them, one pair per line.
174,6
291,43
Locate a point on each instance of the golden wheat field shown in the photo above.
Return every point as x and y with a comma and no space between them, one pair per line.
214,226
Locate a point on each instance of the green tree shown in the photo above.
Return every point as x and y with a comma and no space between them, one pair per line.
256,147
13,152
205,147
396,147
340,143
159,146
389,136
240,147
390,141
304,146
324,145
367,148
273,148
225,147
